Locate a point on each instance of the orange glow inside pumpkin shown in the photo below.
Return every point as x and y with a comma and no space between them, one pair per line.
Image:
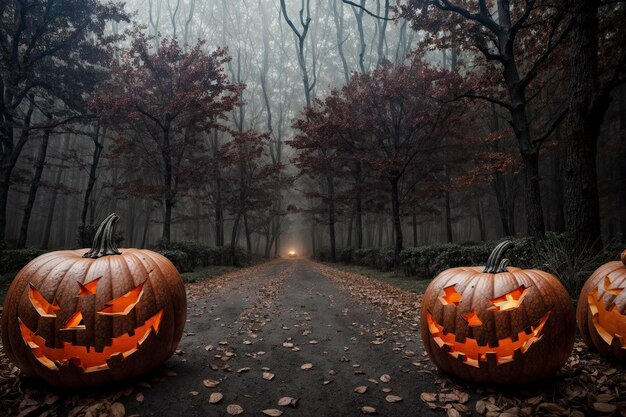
608,322
75,322
472,319
88,358
451,296
472,353
43,307
88,288
122,305
509,300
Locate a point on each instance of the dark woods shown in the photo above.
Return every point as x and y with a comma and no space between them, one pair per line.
409,123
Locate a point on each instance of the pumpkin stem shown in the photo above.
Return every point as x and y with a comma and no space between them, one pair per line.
103,243
496,263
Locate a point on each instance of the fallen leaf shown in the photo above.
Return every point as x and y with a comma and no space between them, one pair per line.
287,401
241,370
272,412
429,397
368,410
393,398
194,393
215,397
604,407
452,412
361,389
117,410
139,397
268,376
234,409
385,378
211,383
306,366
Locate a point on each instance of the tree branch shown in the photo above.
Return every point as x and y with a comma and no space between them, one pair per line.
358,6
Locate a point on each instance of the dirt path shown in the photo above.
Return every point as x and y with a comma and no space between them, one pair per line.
282,318
251,332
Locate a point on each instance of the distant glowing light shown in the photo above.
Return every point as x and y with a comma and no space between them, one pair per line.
292,253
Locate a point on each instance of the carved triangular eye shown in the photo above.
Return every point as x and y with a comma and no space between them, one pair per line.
88,288
510,300
124,304
43,307
607,287
451,296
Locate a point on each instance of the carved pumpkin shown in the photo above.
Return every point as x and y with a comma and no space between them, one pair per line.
75,317
601,312
496,323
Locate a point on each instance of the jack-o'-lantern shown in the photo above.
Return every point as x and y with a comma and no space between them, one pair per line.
74,317
601,312
497,323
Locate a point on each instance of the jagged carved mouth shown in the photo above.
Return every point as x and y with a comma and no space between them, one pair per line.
472,353
609,323
86,357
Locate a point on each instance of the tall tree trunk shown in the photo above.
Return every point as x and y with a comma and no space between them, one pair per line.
51,206
448,216
622,167
167,222
582,209
248,240
95,160
331,218
9,154
414,225
359,206
146,223
313,247
169,191
34,187
532,195
481,220
348,243
397,224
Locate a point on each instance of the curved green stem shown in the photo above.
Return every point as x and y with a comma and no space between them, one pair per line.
496,263
103,242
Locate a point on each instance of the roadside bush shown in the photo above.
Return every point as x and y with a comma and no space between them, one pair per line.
200,254
12,260
346,255
572,268
180,259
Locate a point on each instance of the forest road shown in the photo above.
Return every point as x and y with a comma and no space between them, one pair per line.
279,317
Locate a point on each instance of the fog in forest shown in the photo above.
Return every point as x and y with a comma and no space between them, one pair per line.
291,56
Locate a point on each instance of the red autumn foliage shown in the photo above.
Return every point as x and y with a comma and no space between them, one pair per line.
162,104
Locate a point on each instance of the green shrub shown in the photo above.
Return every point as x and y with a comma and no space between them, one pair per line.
180,259
204,255
12,260
323,254
346,255
572,268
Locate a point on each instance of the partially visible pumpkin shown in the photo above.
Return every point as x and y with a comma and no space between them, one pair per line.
496,323
601,313
80,317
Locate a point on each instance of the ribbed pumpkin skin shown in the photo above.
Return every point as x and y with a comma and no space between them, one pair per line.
544,294
56,276
616,273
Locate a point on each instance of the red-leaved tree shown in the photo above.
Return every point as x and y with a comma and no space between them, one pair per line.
162,104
